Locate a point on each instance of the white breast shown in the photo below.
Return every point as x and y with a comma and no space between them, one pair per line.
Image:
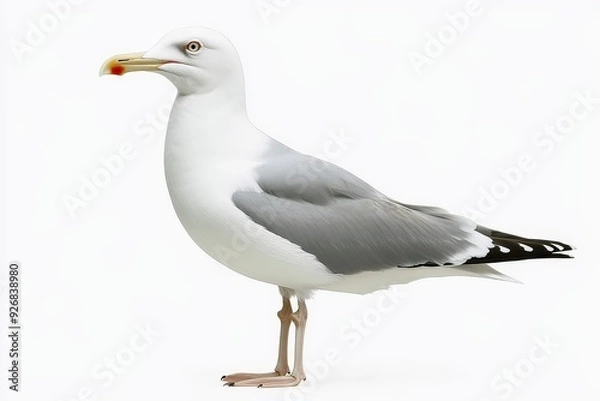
205,163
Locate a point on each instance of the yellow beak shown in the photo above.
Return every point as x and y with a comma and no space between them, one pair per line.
124,63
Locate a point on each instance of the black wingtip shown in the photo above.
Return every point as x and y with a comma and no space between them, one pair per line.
509,247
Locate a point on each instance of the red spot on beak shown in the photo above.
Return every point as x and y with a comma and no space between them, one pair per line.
117,70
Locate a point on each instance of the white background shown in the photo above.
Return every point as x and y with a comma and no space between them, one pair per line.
312,68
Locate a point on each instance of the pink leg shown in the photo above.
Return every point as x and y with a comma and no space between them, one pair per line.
299,318
282,368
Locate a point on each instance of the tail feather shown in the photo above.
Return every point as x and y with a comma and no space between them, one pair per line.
509,247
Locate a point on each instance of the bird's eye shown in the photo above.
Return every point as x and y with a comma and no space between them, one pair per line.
193,47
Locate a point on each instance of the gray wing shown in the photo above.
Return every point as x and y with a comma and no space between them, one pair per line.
348,225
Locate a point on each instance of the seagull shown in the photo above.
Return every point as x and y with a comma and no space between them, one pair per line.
282,217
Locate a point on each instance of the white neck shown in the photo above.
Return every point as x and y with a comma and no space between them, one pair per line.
210,128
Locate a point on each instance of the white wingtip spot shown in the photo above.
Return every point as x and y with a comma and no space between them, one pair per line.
560,248
503,249
526,248
549,248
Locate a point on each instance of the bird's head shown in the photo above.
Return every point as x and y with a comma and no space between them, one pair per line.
195,60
